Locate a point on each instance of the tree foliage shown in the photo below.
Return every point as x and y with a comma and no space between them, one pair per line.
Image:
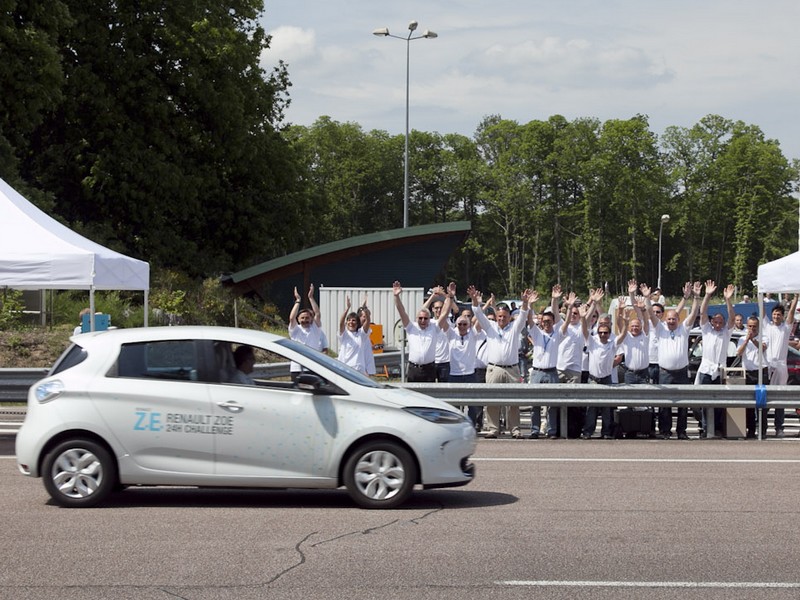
150,127
164,143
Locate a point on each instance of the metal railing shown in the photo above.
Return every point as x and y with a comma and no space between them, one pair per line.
14,384
564,395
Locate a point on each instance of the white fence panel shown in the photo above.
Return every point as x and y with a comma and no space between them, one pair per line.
381,305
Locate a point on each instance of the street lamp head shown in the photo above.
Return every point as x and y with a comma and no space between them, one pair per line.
665,218
412,26
383,31
429,34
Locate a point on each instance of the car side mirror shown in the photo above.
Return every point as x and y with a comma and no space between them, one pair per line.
308,382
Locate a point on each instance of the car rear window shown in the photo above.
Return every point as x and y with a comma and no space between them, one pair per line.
72,356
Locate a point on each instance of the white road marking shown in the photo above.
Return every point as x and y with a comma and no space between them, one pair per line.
657,584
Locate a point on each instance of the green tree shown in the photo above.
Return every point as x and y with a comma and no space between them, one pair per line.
166,144
30,74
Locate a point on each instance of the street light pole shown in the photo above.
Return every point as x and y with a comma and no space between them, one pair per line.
664,219
384,32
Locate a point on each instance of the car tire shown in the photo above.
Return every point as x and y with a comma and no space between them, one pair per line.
79,473
380,474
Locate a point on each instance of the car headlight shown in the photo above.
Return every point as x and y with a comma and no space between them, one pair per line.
49,390
437,415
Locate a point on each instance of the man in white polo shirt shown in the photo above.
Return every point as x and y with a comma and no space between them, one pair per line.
716,335
777,332
673,354
502,341
422,338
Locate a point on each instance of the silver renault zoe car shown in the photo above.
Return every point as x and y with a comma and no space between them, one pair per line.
167,406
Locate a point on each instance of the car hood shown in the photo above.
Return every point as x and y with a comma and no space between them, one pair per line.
401,397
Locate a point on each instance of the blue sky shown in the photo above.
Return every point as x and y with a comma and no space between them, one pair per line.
674,60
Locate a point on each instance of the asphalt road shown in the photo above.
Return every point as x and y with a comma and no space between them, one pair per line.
707,519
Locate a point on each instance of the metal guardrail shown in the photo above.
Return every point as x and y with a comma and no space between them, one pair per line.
564,395
579,394
14,384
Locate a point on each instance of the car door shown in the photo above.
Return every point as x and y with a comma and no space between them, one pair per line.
159,410
272,430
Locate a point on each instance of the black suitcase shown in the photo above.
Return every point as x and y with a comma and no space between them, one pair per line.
633,422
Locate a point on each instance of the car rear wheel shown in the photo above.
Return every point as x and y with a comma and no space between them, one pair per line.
79,473
380,474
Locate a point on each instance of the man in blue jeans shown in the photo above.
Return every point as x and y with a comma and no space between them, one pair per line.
716,337
673,353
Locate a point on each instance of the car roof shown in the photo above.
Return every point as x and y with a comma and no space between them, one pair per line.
178,332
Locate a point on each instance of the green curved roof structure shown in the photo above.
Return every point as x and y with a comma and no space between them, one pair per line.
416,256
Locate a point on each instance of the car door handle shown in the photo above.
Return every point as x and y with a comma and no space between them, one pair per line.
231,406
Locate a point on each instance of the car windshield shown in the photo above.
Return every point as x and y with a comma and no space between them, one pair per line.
329,363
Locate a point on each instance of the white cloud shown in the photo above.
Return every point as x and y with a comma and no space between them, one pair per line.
674,61
290,44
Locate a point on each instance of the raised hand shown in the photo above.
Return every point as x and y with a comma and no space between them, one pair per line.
687,289
556,291
728,291
296,294
397,289
711,287
697,287
451,289
632,287
645,290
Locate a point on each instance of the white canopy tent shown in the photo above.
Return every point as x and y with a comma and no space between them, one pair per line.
37,252
780,276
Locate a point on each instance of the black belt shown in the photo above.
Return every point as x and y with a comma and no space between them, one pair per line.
550,370
640,372
420,366
503,366
683,370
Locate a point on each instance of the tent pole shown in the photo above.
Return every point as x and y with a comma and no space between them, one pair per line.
91,309
146,308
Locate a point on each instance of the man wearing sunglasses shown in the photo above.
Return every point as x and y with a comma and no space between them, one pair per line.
422,337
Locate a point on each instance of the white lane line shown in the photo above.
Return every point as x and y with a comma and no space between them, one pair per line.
657,584
642,460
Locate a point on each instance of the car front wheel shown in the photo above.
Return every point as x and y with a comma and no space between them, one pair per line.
380,475
79,473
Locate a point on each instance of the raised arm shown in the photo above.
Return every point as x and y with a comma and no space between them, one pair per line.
367,315
555,296
585,311
475,296
728,294
646,291
697,287
792,308
444,315
295,310
344,314
711,287
621,320
314,306
568,303
397,289
687,291
435,291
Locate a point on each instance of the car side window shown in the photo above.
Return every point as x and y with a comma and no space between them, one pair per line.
256,366
172,360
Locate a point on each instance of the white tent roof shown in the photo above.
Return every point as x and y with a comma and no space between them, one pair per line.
782,275
38,252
